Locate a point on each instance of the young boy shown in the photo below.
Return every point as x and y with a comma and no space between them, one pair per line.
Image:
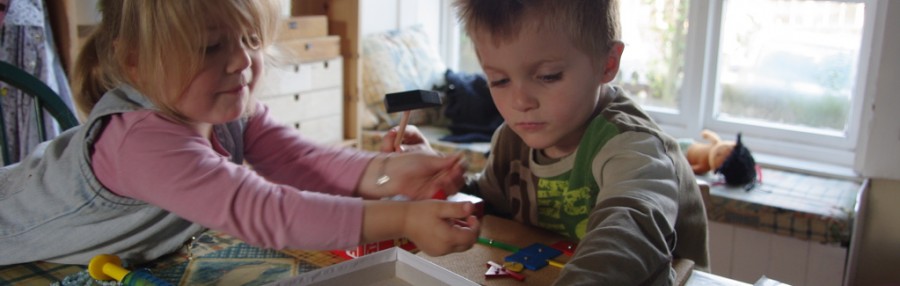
575,155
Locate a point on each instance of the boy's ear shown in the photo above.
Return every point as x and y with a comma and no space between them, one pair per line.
611,63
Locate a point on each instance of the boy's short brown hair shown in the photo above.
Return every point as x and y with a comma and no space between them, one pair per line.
592,25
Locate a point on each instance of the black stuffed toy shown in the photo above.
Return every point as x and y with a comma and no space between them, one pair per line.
470,108
739,169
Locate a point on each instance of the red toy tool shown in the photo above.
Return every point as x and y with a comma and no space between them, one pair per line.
498,271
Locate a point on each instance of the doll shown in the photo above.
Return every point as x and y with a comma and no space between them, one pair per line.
707,156
730,158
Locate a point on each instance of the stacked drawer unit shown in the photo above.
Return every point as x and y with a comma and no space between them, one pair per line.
306,92
306,38
307,97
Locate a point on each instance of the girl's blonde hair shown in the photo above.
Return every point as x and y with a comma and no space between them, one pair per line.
161,42
592,25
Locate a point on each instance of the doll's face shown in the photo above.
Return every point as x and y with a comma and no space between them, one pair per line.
719,154
4,7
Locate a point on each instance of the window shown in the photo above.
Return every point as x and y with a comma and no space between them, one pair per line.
790,75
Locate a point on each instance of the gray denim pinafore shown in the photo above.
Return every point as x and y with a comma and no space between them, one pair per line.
53,208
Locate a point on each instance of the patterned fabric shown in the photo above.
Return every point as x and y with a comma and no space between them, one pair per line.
396,61
26,44
26,13
211,258
38,273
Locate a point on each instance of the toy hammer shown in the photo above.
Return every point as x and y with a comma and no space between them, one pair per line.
407,101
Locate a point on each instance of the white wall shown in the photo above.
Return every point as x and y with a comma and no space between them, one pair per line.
880,152
86,12
377,16
876,260
384,15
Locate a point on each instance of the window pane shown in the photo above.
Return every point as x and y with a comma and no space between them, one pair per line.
655,34
468,61
786,63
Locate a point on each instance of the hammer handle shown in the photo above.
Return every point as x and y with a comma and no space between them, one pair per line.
403,122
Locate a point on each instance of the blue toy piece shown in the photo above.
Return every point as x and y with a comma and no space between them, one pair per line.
534,256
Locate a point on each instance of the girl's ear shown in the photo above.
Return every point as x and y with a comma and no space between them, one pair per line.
611,64
131,67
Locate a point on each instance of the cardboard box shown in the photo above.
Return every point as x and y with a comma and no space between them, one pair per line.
303,27
390,267
313,49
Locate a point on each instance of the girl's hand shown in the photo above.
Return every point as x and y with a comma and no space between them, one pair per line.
413,140
436,227
432,226
416,175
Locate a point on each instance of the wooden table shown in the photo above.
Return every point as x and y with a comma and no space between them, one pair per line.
471,263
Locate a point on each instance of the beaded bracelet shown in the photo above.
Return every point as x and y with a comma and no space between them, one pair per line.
383,178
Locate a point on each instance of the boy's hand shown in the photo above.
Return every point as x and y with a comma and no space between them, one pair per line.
431,226
413,140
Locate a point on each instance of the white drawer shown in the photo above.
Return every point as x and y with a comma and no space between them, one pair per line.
327,73
302,106
285,80
325,130
294,78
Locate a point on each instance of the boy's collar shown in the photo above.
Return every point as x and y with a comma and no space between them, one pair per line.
608,93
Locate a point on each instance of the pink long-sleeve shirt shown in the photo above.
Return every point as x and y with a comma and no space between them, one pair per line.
291,193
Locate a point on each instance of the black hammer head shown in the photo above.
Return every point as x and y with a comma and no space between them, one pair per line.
409,100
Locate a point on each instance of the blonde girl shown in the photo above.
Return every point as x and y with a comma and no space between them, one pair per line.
173,142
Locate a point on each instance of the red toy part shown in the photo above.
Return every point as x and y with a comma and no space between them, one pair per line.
439,195
370,248
497,271
567,247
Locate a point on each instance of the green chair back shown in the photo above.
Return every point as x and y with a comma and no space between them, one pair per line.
45,99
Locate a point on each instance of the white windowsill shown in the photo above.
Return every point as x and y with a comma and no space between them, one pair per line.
806,167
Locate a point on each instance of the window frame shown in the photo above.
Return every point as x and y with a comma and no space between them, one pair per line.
787,148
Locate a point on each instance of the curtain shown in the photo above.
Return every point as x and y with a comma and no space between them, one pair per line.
26,41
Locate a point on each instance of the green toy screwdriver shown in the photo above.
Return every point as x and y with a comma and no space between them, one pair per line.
108,267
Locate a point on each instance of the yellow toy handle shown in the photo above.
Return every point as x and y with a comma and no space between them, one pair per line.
107,267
